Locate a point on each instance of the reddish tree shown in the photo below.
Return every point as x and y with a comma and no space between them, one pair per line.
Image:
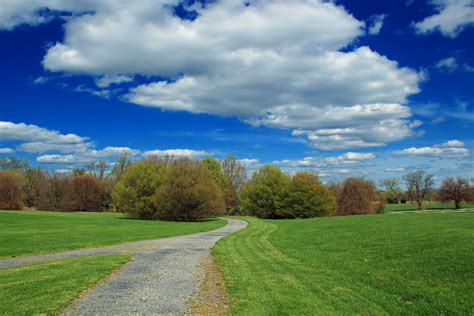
355,196
83,194
11,194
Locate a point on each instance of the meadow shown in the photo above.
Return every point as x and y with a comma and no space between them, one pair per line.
32,232
48,288
426,206
371,264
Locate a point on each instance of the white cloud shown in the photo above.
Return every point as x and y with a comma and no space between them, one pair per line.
452,16
266,62
453,143
448,64
107,80
6,151
176,153
450,149
41,80
250,163
10,131
62,159
377,24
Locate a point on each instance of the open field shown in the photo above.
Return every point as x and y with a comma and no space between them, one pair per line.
48,288
412,207
29,232
373,264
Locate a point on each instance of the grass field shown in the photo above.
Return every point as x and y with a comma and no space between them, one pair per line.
374,264
48,288
29,232
428,206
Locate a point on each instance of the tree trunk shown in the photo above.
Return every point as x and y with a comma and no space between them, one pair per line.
419,205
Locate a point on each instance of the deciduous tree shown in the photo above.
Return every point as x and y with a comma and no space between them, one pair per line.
419,186
456,190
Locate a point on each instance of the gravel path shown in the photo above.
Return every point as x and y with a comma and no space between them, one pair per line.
161,277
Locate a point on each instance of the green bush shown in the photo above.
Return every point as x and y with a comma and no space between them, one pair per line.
189,193
265,194
134,192
309,197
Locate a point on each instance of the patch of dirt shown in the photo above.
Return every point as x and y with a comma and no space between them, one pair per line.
211,299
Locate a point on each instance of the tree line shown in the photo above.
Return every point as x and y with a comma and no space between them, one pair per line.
186,189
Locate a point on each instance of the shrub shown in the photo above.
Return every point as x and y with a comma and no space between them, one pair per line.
11,194
189,192
308,197
265,194
83,194
355,196
134,192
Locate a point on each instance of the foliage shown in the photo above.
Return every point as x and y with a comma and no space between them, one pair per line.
35,179
135,190
189,192
411,264
308,197
265,194
97,169
456,190
419,186
11,193
30,232
123,162
214,167
49,288
355,196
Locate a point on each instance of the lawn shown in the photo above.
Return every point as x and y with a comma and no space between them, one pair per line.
29,232
374,264
49,288
428,206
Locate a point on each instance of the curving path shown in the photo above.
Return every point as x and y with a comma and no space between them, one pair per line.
161,277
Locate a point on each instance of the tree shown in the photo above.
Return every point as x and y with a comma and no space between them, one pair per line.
264,195
308,197
189,192
392,189
355,196
121,165
13,163
456,190
11,194
236,176
136,187
35,178
78,172
214,167
97,169
419,186
53,193
83,194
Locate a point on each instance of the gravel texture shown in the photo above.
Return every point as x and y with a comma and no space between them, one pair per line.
159,280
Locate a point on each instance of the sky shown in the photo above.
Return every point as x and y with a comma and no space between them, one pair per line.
341,88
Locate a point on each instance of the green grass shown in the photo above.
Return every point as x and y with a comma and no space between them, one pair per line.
412,207
49,288
375,264
31,232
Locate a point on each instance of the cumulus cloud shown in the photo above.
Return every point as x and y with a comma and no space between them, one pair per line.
452,16
450,149
265,62
376,24
6,151
10,131
176,153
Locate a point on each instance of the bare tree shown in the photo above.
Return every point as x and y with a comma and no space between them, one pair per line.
121,165
419,186
235,171
97,169
392,189
35,178
456,190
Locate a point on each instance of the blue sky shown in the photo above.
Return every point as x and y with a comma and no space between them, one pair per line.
366,88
